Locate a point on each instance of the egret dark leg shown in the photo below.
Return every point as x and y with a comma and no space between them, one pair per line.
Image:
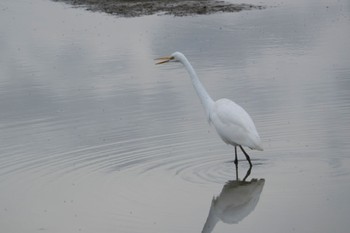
236,171
248,173
236,160
246,155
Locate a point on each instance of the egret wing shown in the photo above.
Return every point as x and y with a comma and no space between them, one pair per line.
231,114
233,124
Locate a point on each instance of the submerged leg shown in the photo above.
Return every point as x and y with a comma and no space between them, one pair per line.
246,155
236,160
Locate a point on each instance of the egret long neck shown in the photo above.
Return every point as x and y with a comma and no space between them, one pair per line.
202,93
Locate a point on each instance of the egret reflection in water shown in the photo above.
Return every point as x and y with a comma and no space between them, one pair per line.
238,198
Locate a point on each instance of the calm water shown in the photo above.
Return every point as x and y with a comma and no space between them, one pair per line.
95,138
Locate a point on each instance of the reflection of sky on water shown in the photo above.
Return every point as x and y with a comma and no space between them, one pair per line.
291,63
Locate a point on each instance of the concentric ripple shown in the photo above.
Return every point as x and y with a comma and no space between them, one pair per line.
184,159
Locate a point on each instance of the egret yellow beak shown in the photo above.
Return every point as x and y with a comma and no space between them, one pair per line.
162,60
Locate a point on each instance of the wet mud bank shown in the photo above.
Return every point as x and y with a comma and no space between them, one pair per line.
134,8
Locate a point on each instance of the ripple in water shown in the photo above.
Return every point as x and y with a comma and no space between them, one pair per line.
138,157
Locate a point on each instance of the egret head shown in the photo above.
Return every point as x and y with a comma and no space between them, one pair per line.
177,56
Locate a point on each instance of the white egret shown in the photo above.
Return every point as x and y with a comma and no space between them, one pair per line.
231,121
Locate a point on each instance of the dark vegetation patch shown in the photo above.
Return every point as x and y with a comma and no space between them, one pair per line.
133,8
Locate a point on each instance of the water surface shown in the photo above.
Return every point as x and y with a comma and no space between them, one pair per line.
96,138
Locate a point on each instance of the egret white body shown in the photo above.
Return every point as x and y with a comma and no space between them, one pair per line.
231,121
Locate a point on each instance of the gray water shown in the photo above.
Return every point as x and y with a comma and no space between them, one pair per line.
95,138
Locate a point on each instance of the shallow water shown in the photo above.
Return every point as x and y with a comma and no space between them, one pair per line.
96,138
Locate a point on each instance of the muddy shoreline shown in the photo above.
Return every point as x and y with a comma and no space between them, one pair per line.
135,8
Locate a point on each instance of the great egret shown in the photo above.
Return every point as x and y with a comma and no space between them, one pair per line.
231,121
